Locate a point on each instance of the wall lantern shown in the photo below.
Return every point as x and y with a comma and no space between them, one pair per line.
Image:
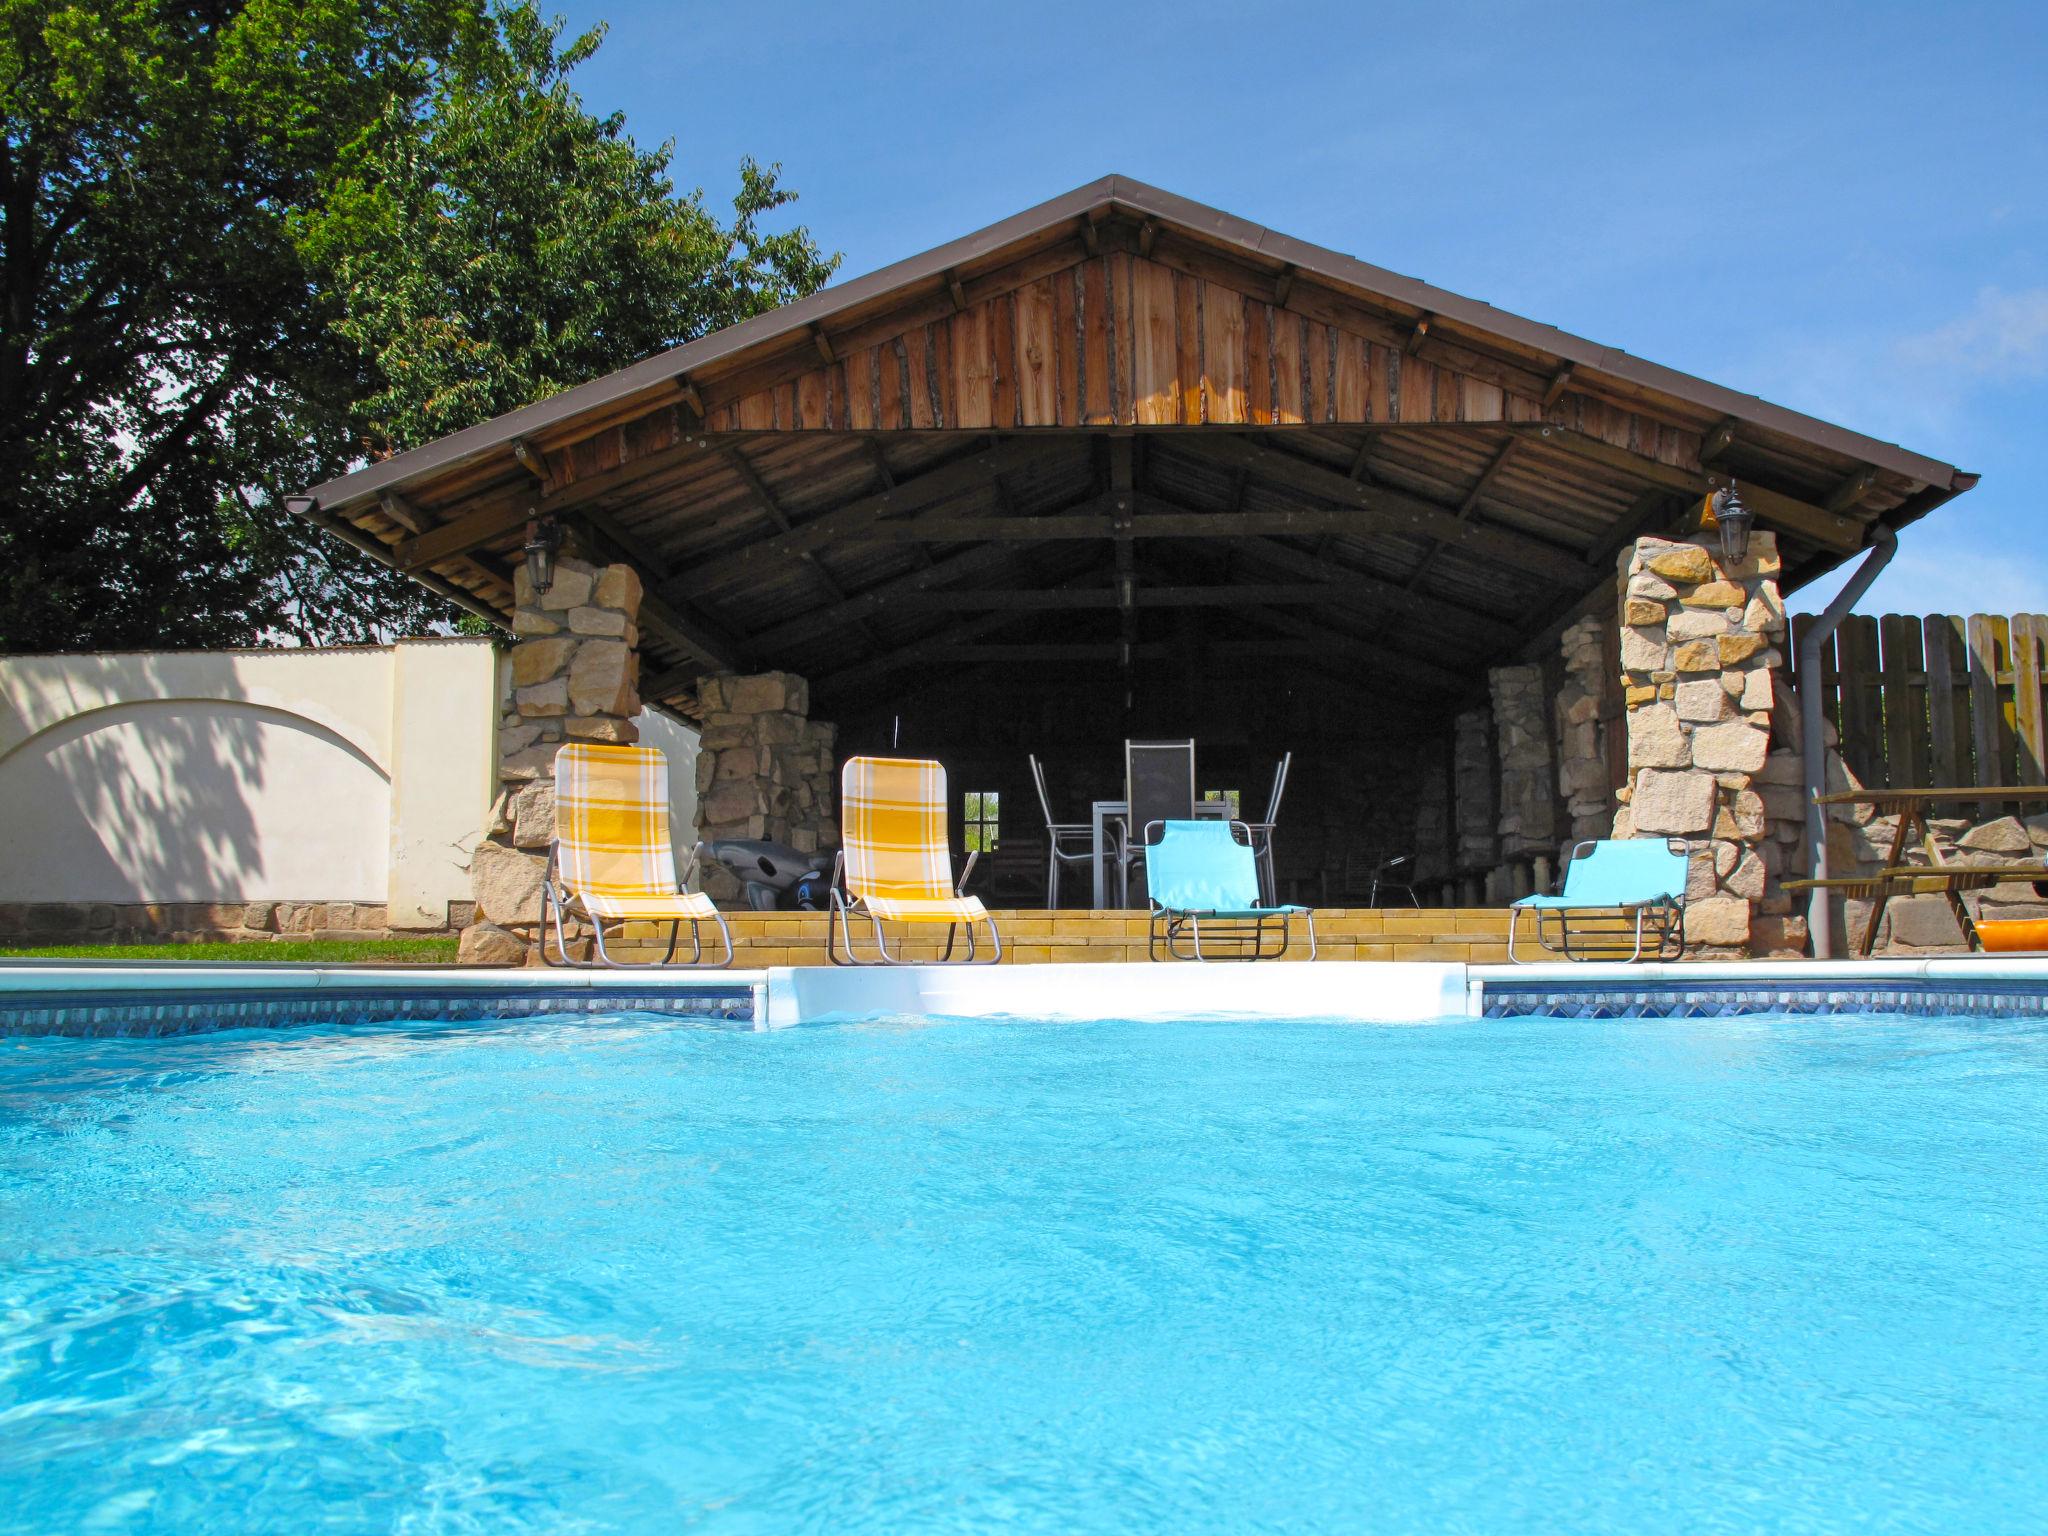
543,539
1734,522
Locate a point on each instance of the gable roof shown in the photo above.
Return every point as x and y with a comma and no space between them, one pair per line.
1118,384
1590,362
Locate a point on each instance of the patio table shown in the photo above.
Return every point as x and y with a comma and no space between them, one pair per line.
1104,811
1911,807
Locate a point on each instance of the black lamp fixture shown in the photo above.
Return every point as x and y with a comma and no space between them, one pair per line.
543,539
1734,521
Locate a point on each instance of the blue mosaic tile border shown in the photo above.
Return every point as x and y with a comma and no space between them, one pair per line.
146,1014
1709,1000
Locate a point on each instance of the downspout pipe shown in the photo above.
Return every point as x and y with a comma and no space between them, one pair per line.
1820,914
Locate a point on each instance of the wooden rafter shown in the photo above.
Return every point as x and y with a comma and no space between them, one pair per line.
682,623
1718,440
1384,594
1831,530
404,513
1384,657
1853,489
1381,508
461,536
953,478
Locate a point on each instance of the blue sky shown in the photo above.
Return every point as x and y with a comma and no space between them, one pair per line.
1843,208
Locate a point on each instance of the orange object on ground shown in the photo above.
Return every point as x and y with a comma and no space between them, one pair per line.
2013,934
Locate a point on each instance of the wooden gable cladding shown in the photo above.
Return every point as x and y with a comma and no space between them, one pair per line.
1122,340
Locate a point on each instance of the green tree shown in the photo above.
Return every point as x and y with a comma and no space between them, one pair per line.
497,243
247,244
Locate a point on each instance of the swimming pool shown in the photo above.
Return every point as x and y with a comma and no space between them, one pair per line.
627,1273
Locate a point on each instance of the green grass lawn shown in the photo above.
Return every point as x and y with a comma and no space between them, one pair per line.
325,951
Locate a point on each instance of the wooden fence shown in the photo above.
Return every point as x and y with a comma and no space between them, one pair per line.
1939,700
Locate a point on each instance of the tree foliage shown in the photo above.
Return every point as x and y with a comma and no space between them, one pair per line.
247,244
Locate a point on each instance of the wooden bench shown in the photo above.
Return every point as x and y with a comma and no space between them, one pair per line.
1900,878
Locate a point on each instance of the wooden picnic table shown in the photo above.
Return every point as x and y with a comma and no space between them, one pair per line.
1911,807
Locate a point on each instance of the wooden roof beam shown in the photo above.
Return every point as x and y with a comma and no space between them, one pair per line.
688,627
1300,594
576,491
952,478
1852,490
471,531
1336,642
1718,440
1418,334
532,460
1419,605
916,652
403,512
1830,530
1155,520
1560,381
901,591
1381,507
1494,466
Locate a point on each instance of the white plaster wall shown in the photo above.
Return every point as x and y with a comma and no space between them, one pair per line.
444,725
242,775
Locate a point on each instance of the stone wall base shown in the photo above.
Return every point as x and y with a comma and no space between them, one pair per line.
208,922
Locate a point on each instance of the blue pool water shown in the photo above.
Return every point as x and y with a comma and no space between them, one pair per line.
1649,1275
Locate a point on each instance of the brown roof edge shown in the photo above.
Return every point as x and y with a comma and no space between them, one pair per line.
1907,512
1138,197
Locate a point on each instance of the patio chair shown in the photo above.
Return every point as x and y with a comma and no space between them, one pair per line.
611,856
1159,785
1262,831
1396,872
1609,886
1204,888
1067,842
896,862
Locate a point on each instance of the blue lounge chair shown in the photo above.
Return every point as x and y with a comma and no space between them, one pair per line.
1204,885
1609,886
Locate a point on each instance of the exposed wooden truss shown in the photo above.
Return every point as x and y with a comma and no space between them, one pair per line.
1103,428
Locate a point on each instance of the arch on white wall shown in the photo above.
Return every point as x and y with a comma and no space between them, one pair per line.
276,701
194,799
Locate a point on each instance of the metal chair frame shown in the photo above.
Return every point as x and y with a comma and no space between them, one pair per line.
1661,921
554,905
1380,877
1262,831
1054,831
839,927
1168,927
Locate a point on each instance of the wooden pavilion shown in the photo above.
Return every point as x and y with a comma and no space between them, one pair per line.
1125,465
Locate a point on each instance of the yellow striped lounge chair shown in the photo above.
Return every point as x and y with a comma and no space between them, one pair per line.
611,860
895,863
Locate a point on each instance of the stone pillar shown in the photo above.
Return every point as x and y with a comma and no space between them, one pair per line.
1700,651
1528,776
764,769
1432,814
1582,773
1472,769
575,667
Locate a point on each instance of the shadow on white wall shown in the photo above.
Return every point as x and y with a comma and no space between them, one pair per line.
192,799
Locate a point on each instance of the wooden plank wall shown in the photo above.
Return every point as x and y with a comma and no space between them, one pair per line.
1938,700
1121,340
